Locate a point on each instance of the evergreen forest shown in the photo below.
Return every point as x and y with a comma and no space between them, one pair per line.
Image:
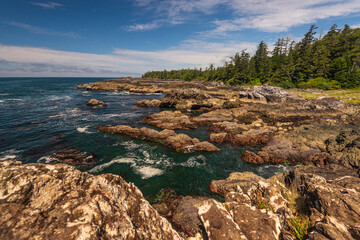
327,62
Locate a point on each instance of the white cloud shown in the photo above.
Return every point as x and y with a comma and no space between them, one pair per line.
263,15
142,27
355,26
43,31
32,61
48,5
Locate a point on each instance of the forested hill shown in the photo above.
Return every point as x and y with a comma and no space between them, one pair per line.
331,61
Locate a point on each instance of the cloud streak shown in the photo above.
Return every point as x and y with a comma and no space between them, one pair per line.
142,27
32,61
47,5
41,31
262,15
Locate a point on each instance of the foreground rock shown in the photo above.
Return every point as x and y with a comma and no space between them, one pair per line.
94,103
74,156
268,93
180,142
170,120
40,201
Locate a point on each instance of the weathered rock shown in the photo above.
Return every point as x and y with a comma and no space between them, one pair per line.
333,196
251,157
267,93
93,102
191,98
180,142
73,156
186,215
41,201
170,120
148,103
205,147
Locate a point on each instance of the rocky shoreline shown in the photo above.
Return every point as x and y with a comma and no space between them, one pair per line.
317,200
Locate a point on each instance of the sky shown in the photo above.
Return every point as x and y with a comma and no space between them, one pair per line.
114,38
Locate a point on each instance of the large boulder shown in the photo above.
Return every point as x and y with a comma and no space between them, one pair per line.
94,103
39,201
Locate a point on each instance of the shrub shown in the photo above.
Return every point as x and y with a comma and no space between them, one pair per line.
321,83
299,227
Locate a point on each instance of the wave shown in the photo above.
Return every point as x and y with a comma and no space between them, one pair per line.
194,161
4,94
116,93
148,172
116,160
9,155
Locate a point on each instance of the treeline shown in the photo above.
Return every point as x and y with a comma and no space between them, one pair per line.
331,61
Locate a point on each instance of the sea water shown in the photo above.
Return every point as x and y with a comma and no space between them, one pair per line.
40,116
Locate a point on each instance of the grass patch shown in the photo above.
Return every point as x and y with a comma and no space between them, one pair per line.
299,227
351,96
262,204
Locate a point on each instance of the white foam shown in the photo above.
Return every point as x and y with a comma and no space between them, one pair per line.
4,94
45,159
148,172
9,155
116,160
192,161
122,115
1,101
83,130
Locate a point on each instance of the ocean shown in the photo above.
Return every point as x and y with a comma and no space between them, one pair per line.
41,116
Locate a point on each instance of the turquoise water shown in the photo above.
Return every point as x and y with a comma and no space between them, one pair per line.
40,116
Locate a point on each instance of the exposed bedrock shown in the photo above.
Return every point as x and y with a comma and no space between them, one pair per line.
39,201
170,120
325,199
180,142
321,144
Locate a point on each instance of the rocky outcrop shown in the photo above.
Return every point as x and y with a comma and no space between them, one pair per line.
268,93
74,156
148,103
335,144
170,120
180,142
96,103
39,201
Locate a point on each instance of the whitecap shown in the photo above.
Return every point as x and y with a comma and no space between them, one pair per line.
4,94
83,130
148,172
9,155
116,160
1,101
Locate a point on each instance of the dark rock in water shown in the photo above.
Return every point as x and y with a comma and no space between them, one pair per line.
94,103
73,156
43,201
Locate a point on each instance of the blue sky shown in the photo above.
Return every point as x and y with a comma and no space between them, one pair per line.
112,38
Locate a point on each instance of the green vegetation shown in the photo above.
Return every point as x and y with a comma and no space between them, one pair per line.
262,204
329,62
299,227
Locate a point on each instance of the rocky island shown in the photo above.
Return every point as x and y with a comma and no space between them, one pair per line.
318,199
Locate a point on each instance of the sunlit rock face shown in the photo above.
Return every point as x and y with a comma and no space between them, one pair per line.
39,201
